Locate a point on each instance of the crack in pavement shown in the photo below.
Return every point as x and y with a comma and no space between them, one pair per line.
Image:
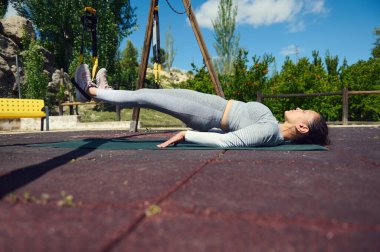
126,230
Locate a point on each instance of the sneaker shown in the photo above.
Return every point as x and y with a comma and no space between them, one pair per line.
83,83
101,79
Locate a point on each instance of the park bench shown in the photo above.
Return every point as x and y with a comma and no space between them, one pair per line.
76,104
24,108
71,106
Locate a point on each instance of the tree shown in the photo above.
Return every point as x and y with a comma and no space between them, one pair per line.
331,64
3,8
376,49
169,46
307,76
35,78
227,43
363,75
126,75
201,81
163,58
58,25
246,81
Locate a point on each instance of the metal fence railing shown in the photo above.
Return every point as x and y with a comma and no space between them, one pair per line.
344,93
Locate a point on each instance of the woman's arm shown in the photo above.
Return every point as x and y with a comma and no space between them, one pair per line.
179,137
203,138
214,139
261,134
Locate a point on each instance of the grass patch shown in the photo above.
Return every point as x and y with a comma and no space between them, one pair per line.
106,113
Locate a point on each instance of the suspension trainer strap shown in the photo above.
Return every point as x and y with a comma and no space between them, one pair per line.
174,10
156,45
89,22
88,97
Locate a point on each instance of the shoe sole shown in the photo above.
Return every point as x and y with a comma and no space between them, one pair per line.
79,95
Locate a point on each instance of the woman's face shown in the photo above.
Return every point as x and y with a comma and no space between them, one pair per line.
298,115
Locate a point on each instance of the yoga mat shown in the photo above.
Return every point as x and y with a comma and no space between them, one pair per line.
127,144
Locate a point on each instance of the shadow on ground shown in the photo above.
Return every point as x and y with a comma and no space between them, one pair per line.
57,199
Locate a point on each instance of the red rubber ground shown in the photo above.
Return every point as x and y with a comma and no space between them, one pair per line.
146,200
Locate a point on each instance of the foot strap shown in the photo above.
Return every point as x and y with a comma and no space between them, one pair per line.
80,89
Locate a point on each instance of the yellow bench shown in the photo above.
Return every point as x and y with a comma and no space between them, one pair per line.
24,108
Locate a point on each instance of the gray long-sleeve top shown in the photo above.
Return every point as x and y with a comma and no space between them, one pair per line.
249,124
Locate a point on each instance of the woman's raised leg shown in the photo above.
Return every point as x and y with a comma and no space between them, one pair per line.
197,110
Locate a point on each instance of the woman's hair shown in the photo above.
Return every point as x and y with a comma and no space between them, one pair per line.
318,133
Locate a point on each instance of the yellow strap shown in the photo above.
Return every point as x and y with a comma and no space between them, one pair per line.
90,9
156,71
80,59
95,62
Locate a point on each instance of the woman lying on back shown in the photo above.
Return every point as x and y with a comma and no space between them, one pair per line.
244,124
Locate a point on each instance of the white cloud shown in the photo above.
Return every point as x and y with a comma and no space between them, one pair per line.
316,6
297,25
207,12
290,50
265,12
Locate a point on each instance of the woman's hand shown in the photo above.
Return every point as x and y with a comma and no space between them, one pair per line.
179,137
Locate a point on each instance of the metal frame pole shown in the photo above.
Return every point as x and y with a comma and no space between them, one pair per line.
202,46
143,64
146,50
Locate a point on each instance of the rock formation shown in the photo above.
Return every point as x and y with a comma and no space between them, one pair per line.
12,31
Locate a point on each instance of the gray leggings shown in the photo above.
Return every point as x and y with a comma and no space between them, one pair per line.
197,110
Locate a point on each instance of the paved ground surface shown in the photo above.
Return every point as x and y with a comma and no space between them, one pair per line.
147,200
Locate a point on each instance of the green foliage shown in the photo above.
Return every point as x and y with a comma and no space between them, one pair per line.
201,81
363,75
376,49
226,41
3,8
233,85
376,52
303,76
58,25
36,79
308,77
332,63
26,39
127,65
314,75
163,58
246,82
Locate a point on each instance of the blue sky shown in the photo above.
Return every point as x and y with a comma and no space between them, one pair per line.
277,27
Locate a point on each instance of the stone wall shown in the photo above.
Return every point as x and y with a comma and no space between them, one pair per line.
57,123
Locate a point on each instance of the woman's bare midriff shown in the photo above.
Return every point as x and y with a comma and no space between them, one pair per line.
224,121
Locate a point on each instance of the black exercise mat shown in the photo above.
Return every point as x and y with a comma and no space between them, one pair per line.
127,144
